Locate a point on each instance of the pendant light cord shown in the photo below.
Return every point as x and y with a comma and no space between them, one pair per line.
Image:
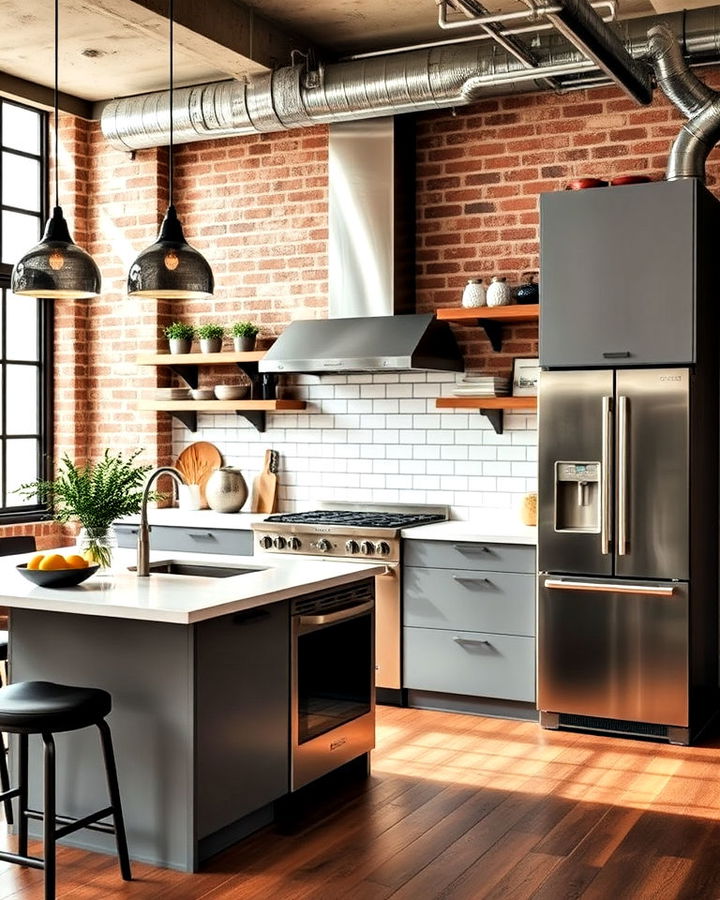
56,102
170,154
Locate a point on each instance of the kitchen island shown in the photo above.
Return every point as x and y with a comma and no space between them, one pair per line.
198,668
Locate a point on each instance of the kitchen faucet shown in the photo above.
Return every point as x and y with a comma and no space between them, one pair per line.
143,544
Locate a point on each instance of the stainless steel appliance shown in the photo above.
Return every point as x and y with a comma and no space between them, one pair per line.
332,701
365,532
614,550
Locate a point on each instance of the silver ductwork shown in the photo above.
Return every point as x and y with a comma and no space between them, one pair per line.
416,80
694,99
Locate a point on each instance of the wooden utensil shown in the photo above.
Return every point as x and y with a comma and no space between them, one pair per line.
196,464
264,495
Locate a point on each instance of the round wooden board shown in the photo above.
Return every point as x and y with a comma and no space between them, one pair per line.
196,464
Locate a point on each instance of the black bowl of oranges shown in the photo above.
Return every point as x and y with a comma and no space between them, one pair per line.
53,570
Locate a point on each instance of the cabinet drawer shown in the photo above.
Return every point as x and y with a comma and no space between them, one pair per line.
472,663
192,540
498,602
465,555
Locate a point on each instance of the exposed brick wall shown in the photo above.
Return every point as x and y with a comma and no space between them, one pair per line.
257,208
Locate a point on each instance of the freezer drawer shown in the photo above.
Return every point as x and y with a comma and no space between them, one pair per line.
614,649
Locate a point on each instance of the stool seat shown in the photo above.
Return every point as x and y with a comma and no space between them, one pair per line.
34,707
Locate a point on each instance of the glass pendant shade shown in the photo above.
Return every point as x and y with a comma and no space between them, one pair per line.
56,268
170,268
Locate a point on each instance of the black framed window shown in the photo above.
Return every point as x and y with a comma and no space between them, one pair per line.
25,323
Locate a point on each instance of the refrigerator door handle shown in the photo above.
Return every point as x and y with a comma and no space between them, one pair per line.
622,481
605,501
655,590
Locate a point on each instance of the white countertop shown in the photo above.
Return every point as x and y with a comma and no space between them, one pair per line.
198,518
498,528
181,599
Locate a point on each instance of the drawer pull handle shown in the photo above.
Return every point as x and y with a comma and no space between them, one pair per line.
463,640
472,548
202,535
471,579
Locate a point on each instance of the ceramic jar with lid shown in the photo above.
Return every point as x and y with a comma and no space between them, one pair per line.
474,294
499,292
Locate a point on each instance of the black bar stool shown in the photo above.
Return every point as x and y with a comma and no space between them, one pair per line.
44,708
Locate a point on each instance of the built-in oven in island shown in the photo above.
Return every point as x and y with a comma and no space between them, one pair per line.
332,665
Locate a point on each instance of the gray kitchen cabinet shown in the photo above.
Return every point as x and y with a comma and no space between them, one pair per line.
191,540
620,274
469,621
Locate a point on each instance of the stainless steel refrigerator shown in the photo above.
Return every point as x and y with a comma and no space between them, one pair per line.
615,625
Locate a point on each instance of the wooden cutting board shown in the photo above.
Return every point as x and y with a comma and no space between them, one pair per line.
264,495
196,464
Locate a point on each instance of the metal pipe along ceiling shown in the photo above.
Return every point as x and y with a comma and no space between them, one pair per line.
412,81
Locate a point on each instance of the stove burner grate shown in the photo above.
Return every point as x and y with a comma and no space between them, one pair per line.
357,519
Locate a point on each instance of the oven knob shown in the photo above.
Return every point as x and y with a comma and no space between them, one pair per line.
351,546
265,542
383,548
279,543
367,547
294,543
324,545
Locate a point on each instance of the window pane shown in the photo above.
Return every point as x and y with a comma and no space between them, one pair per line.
22,467
21,398
22,319
21,128
20,182
19,233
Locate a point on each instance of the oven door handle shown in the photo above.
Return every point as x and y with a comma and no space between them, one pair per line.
339,616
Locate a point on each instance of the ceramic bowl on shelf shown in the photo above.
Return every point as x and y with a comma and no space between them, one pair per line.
230,391
56,578
202,394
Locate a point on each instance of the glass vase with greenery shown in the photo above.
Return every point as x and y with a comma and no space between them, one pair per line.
95,494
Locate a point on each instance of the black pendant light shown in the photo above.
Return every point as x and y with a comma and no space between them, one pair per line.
170,268
56,268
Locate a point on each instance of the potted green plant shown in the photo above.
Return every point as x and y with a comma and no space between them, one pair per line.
211,337
180,335
244,335
94,494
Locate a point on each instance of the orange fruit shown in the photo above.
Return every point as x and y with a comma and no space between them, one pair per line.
75,561
36,560
52,562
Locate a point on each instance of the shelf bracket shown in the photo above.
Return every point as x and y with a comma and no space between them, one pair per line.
187,417
495,417
188,373
254,417
494,332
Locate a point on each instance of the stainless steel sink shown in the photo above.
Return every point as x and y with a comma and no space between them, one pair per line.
205,570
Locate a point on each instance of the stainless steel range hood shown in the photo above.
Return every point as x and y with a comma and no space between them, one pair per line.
371,265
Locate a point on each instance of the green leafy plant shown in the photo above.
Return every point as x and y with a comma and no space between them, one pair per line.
245,329
95,494
210,331
180,331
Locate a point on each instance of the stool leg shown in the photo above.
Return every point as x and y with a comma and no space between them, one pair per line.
5,781
114,791
49,817
23,795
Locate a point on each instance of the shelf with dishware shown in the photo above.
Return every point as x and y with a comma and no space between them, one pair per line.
187,366
492,318
492,407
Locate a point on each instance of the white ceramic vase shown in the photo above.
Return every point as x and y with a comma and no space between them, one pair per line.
499,293
474,294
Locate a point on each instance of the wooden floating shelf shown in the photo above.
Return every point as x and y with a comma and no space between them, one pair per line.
492,318
253,410
492,407
198,359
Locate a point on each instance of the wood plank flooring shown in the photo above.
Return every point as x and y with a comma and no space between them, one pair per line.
461,807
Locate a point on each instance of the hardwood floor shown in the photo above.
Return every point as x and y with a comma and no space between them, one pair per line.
462,807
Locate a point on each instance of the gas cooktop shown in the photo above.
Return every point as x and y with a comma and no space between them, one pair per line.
357,518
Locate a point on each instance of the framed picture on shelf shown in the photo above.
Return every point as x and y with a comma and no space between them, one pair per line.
526,373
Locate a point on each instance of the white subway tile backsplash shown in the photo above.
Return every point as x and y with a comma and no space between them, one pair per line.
380,438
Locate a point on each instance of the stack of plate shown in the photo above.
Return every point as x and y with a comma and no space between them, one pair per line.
172,393
476,385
